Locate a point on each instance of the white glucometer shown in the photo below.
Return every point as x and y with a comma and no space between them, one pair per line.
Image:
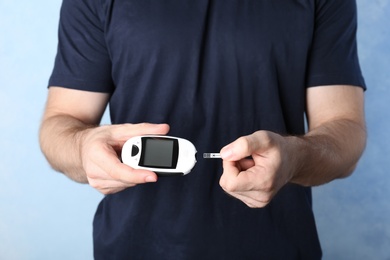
164,155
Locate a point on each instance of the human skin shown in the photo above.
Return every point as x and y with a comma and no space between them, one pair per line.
75,144
330,150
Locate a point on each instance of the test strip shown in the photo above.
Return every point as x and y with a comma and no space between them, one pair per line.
211,155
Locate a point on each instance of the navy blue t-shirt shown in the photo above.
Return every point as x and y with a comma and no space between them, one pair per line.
214,70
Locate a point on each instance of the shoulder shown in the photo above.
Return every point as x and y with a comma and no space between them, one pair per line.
335,8
84,8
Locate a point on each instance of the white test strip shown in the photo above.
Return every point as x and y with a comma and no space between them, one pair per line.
211,155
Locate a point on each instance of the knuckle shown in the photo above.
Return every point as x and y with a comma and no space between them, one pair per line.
245,143
268,187
228,185
255,205
265,201
96,185
105,191
112,172
265,135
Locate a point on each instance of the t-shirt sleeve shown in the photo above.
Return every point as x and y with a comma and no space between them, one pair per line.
334,58
82,61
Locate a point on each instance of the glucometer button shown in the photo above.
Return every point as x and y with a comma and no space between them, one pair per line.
134,150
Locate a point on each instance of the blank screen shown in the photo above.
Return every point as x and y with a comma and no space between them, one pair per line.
158,153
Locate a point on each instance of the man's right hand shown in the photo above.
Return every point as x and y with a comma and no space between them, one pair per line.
74,145
100,150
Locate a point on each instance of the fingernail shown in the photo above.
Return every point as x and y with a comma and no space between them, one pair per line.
150,179
226,153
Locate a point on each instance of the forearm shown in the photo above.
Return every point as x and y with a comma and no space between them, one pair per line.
60,141
328,152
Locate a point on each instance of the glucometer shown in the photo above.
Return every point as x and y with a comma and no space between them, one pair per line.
164,155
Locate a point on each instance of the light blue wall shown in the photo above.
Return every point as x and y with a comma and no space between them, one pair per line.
353,215
45,216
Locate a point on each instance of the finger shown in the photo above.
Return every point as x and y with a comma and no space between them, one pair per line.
107,186
252,199
148,128
247,192
109,164
229,176
233,179
245,146
126,131
236,179
126,174
246,164
244,185
107,191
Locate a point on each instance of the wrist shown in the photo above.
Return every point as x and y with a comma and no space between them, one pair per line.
296,150
79,137
83,137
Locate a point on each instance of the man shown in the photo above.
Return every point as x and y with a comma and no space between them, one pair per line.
236,75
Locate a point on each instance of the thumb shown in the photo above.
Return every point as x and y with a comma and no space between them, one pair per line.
244,146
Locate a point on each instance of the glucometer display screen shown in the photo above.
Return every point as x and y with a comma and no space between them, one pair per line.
159,152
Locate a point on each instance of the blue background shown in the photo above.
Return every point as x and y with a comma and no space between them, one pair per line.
45,216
